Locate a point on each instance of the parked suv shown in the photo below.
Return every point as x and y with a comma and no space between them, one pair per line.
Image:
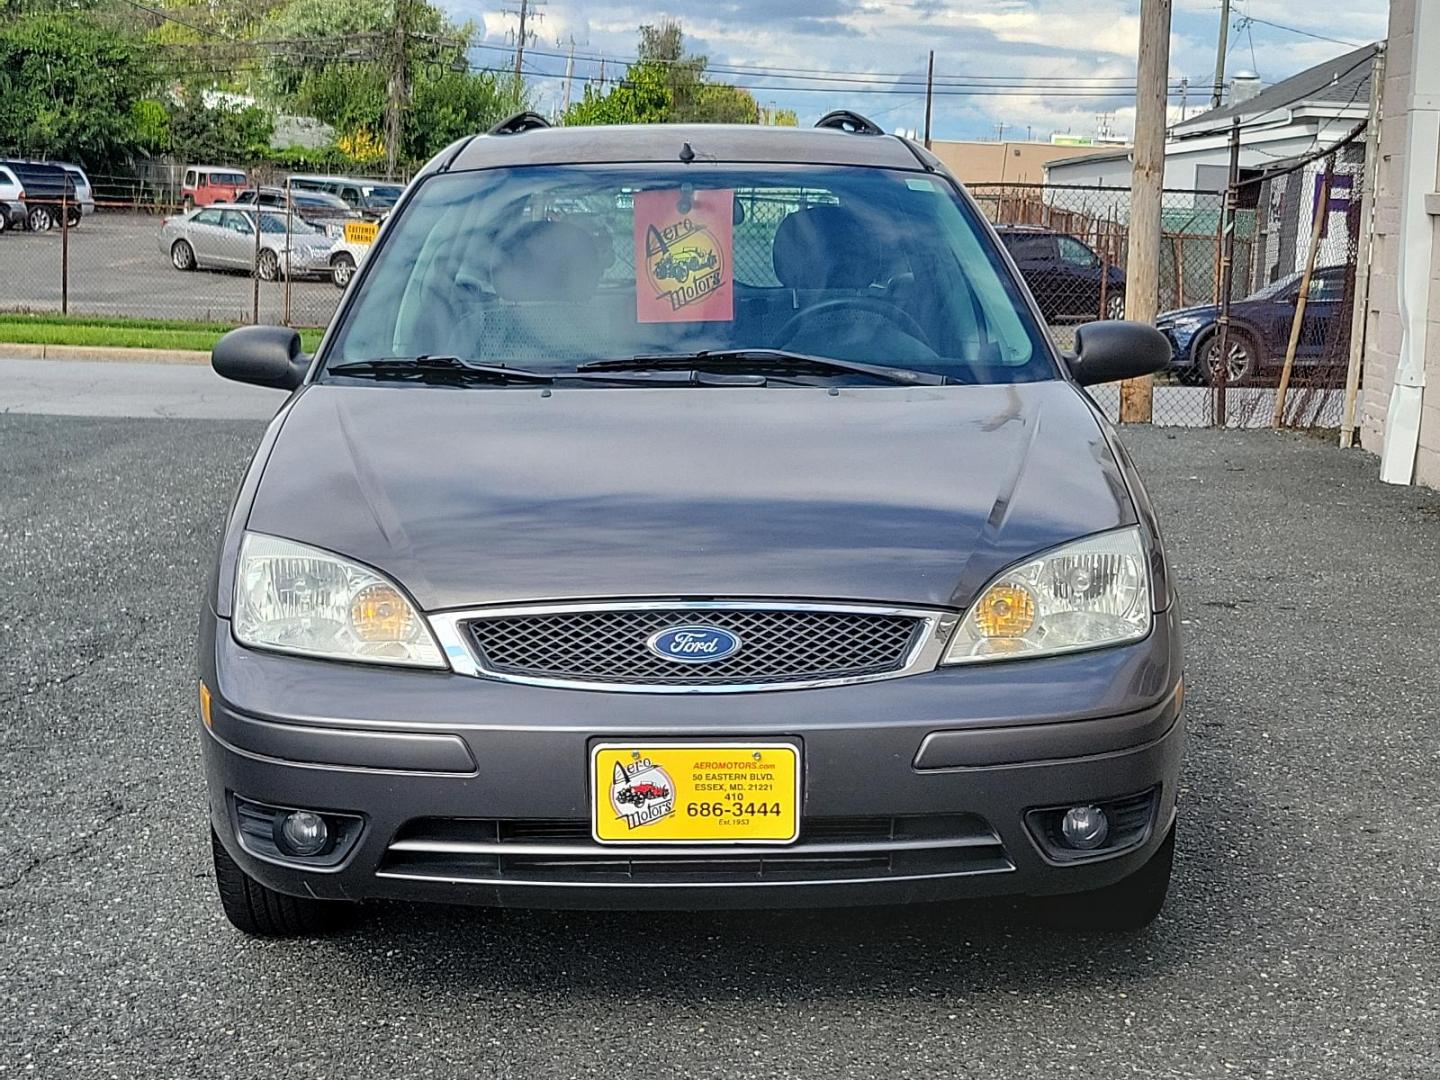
372,198
84,192
813,579
206,184
1065,274
46,193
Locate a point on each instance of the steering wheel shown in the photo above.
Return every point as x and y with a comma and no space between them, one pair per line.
898,317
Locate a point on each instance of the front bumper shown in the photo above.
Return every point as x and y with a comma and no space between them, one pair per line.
958,756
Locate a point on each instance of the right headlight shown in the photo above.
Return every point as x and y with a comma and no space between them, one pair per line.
1084,595
295,598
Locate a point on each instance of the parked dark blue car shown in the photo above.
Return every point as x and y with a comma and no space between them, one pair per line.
1260,330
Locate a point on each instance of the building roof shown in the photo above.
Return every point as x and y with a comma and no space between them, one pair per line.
1339,82
1121,154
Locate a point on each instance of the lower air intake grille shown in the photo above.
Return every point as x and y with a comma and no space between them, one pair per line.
561,851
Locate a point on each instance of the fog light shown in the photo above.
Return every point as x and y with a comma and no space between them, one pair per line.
1084,827
303,833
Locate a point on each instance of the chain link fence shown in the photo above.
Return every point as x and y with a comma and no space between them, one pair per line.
1070,244
134,253
131,250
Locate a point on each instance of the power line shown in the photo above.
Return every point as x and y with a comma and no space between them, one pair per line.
203,31
1304,33
828,75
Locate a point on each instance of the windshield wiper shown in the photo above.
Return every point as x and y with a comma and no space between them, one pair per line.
419,367
771,360
440,368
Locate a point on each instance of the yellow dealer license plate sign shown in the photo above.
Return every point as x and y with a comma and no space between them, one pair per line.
692,793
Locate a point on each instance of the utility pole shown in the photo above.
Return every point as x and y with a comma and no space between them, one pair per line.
1184,97
1217,92
569,75
929,96
521,34
1000,131
399,95
1142,292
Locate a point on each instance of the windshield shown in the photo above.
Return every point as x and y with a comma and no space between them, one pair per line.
275,223
550,267
1276,289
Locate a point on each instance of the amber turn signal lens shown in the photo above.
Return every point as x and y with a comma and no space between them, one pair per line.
1005,611
379,613
205,704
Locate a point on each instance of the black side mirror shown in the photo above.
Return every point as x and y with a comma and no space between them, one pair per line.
1113,350
261,355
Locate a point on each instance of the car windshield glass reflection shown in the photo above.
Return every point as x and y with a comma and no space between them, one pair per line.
547,268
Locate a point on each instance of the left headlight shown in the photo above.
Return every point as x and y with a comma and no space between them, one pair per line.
295,598
1084,595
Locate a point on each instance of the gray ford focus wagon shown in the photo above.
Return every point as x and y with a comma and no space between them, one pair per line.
689,517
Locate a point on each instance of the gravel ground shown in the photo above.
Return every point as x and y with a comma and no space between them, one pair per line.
1300,940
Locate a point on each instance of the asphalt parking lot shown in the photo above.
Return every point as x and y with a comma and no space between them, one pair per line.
117,268
1301,939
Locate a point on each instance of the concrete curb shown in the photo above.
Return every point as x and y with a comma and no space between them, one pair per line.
13,351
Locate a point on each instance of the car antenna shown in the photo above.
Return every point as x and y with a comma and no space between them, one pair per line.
687,153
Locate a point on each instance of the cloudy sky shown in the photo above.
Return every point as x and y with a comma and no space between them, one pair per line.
1010,47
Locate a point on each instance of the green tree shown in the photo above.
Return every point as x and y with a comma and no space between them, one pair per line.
219,133
448,105
665,85
68,88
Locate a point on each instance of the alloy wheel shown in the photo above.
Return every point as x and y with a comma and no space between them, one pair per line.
1115,306
269,266
1239,362
182,257
40,219
342,270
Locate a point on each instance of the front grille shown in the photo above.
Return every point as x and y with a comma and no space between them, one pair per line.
777,645
561,851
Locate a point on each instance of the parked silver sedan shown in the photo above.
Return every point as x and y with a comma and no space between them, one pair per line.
222,236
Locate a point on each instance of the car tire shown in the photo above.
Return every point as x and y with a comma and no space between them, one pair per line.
4,217
1244,358
1114,305
182,255
260,911
39,219
1130,904
72,217
342,269
267,266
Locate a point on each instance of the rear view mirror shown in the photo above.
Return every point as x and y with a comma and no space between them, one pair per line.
1113,350
262,356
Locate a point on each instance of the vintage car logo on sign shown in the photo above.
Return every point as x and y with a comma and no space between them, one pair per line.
694,644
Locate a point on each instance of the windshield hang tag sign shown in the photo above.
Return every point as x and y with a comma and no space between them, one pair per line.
684,259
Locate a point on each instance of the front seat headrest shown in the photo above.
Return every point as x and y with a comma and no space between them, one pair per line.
826,247
545,260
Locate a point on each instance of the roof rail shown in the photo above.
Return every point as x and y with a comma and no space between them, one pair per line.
852,123
525,121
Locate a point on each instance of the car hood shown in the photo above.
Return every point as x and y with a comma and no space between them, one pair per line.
475,496
1201,311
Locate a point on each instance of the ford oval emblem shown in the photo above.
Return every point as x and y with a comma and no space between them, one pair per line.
694,644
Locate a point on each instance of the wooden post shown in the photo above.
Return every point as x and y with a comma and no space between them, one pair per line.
1322,208
1142,264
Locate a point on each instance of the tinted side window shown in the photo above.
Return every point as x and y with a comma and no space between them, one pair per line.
1026,248
1074,252
189,178
1327,287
